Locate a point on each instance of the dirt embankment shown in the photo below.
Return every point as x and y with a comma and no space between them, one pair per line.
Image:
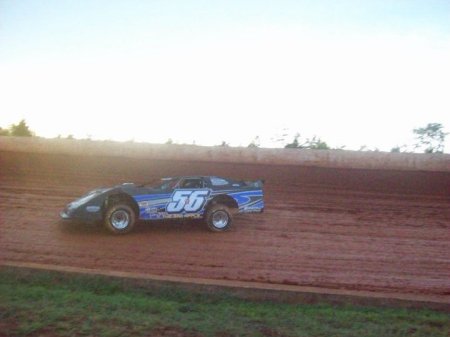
340,228
322,158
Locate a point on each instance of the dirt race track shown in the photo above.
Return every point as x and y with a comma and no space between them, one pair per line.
373,230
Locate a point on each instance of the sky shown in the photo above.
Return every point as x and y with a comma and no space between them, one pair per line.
354,73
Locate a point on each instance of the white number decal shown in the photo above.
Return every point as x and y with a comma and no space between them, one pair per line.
189,201
196,201
179,199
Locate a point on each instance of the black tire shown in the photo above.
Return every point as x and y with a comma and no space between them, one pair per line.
120,219
218,218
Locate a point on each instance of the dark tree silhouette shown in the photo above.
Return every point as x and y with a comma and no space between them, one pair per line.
21,130
430,138
315,143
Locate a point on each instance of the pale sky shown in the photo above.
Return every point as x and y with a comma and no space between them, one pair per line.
352,72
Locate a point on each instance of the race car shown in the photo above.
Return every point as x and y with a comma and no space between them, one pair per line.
214,199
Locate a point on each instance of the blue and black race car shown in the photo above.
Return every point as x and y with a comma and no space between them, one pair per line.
214,199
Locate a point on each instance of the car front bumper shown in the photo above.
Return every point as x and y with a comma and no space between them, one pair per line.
85,213
63,215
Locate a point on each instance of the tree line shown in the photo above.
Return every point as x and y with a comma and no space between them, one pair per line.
429,139
18,130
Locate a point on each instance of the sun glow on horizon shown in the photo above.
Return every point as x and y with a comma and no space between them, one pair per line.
348,88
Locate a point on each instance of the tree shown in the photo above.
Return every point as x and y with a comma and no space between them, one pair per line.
255,143
398,149
430,138
315,143
4,132
295,144
21,129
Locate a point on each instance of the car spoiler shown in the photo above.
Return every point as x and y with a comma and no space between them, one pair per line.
255,183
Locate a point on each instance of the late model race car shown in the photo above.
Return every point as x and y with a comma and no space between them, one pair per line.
214,199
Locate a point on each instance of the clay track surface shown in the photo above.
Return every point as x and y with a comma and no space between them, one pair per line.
384,231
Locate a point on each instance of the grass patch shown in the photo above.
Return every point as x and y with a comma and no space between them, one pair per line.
55,304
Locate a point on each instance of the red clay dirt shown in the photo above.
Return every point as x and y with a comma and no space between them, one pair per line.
370,230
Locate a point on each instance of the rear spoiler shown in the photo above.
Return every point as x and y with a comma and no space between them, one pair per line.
256,183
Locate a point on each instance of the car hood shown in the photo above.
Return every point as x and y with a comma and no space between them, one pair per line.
88,197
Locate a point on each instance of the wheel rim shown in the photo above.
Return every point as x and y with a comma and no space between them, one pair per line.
120,219
220,219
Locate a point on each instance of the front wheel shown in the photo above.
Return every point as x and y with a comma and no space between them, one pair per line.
218,218
120,219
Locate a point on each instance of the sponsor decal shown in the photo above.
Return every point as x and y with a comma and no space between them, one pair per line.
93,209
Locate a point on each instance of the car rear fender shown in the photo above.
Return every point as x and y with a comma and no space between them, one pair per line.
224,199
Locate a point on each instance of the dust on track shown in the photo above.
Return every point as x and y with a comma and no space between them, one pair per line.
369,230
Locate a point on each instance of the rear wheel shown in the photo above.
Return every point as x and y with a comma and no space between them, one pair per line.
218,218
120,219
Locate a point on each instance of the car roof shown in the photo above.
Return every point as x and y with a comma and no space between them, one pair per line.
193,177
